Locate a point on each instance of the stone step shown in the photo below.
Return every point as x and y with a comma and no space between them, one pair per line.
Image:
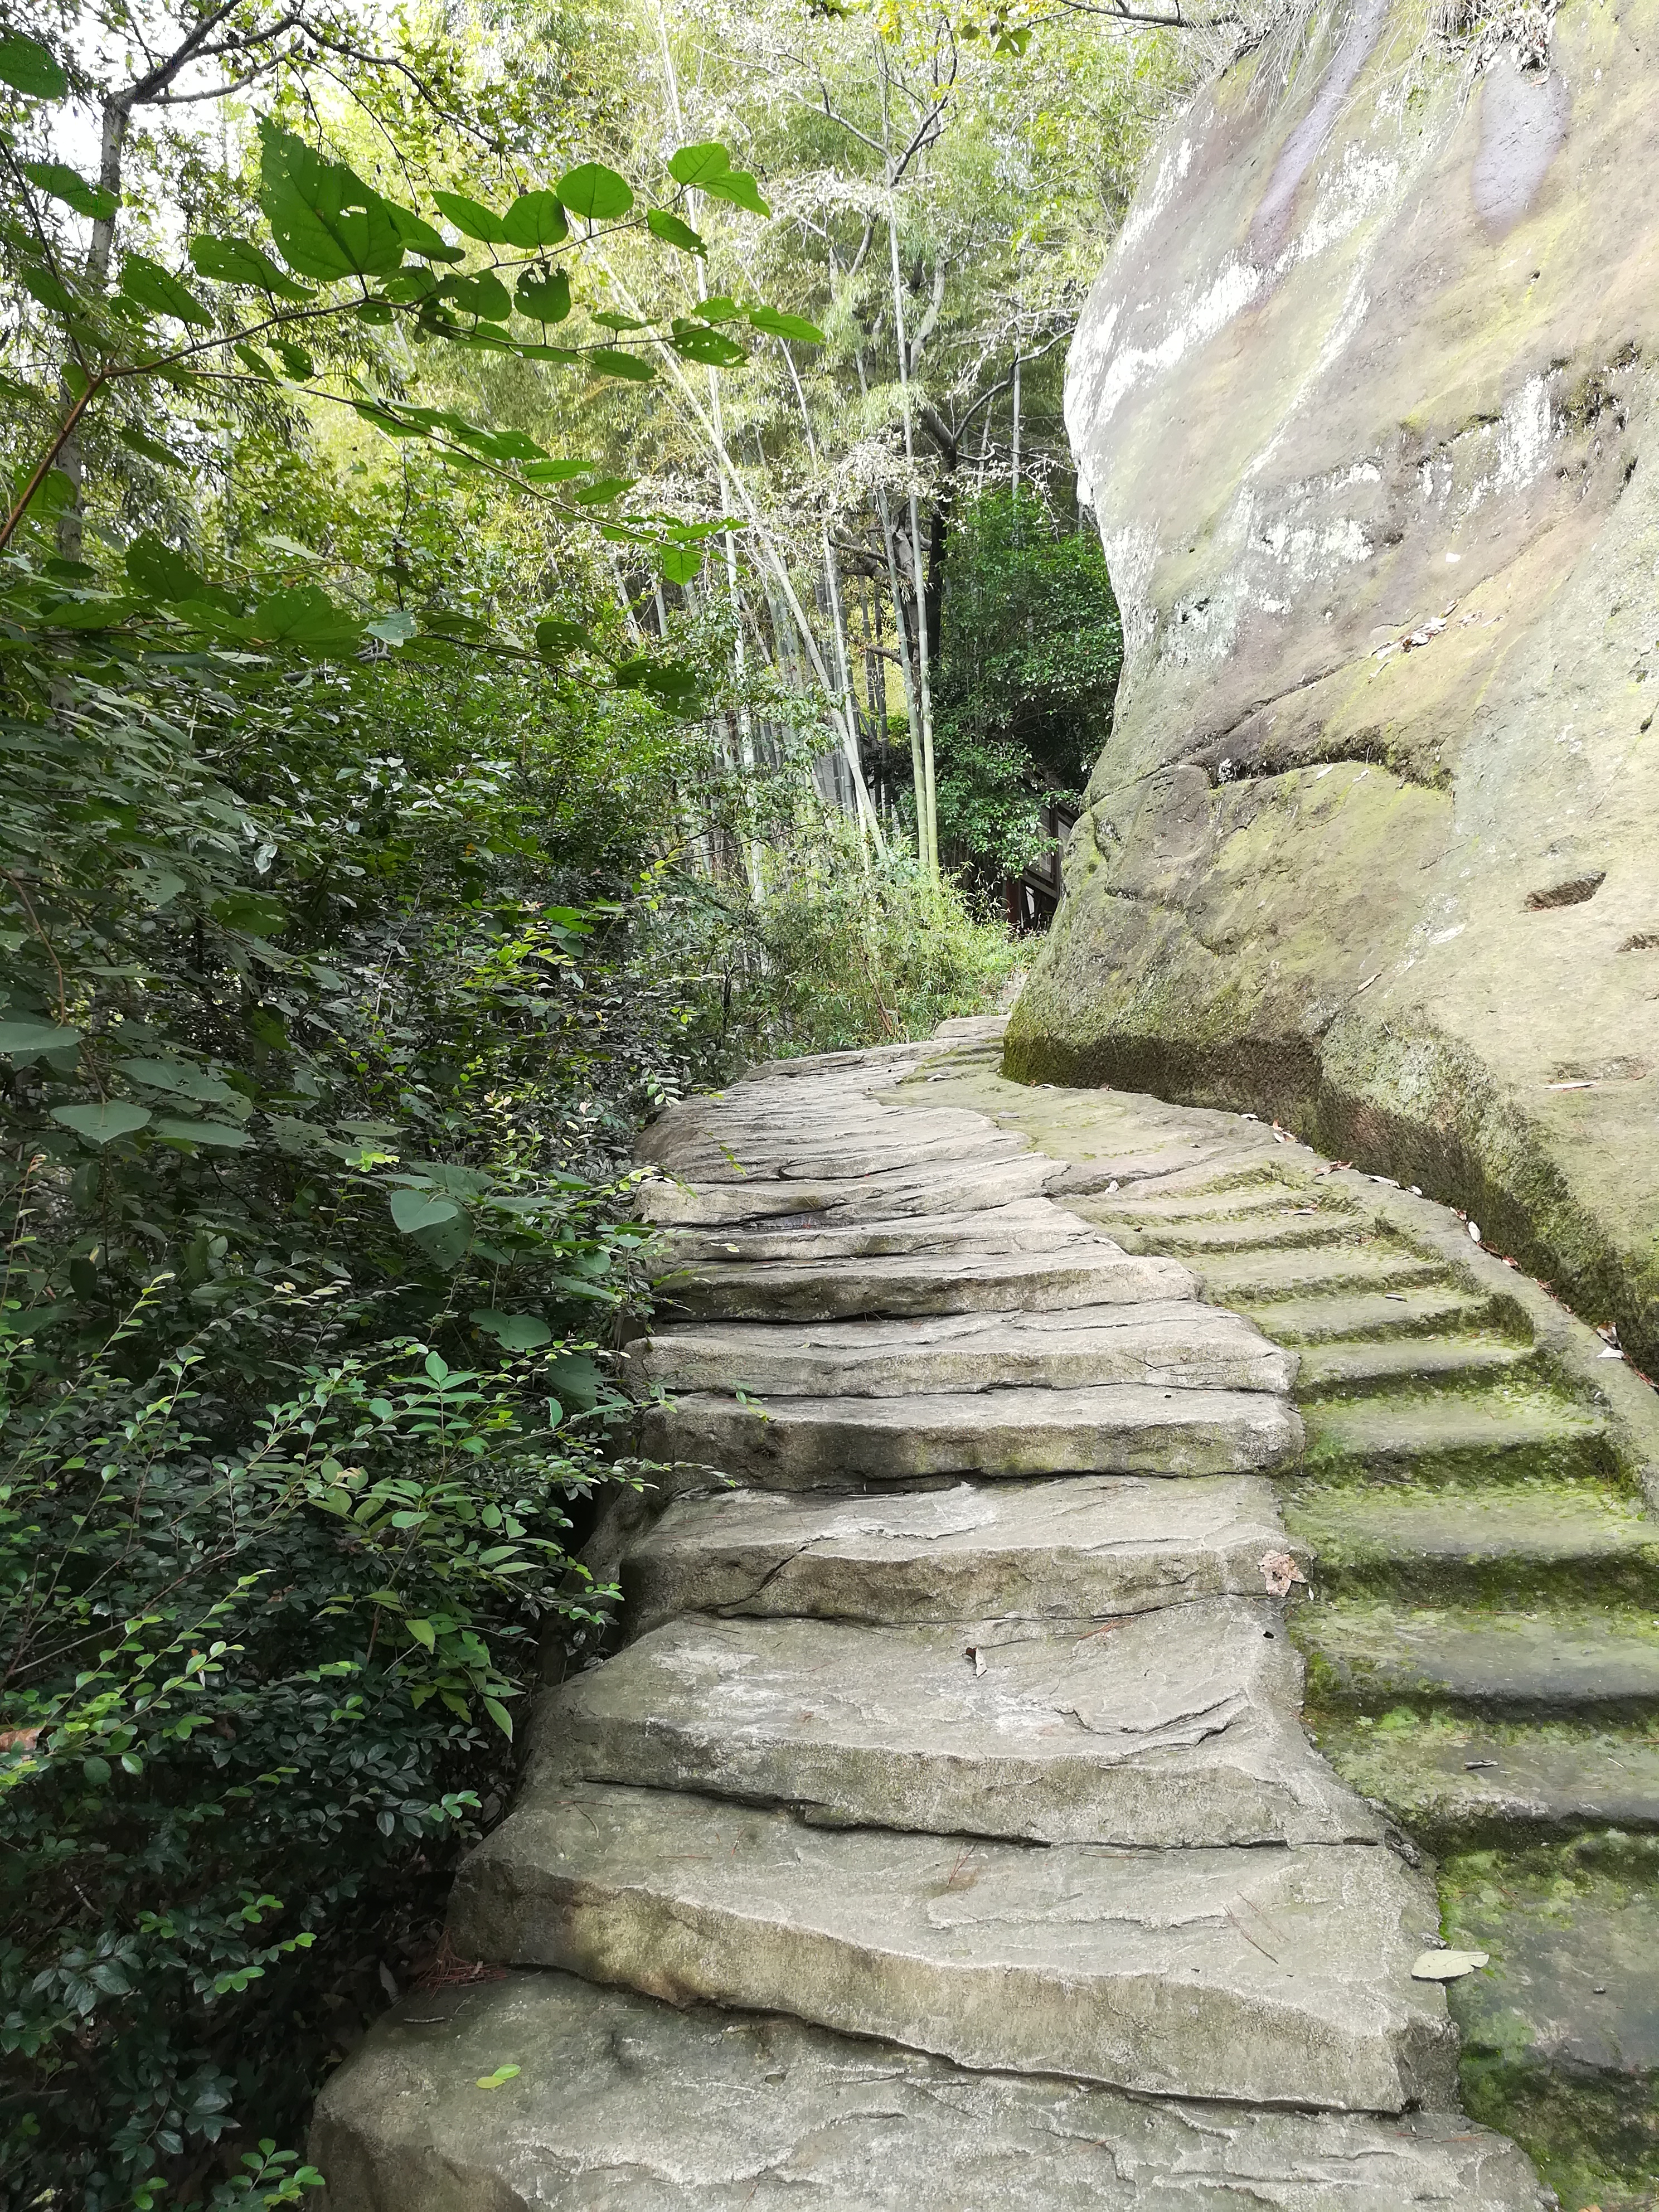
1169,1729
1380,1313
941,1283
813,1160
1348,1370
1264,1276
1550,1662
1032,1224
1142,1209
1450,1433
1212,1240
758,1119
1497,1539
1272,1976
622,2104
831,1201
1085,1549
1459,1785
1173,1344
795,1443
1561,2031
1179,1168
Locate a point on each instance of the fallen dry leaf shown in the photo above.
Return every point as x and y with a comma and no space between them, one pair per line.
1278,1572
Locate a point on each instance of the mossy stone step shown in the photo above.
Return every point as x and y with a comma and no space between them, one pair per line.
934,1282
1549,1662
830,1198
1168,1729
1262,1232
1152,1210
796,1443
1561,2031
1449,1432
1354,1368
1089,1546
624,2104
1372,1265
1030,1224
1380,1314
1270,1975
1458,1783
1496,1539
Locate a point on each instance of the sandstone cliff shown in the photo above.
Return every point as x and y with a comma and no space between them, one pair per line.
1365,404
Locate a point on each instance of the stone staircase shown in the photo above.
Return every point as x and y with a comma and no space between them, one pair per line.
947,1836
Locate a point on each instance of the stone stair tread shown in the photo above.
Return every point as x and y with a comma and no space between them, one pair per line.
1155,1209
1446,1422
1169,1342
1093,1546
1332,1367
1292,1966
1550,1660
1171,1729
1117,1429
1262,1232
1028,1224
1505,1783
758,1120
1339,1316
938,1283
624,2104
813,1159
1498,1522
841,1198
1352,1266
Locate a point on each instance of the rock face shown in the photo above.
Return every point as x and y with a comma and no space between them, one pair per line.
1365,406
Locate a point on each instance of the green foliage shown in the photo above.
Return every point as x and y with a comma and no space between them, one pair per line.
1031,649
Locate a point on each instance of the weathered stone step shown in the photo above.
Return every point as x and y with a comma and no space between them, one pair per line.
1082,1548
1512,1538
1172,1344
1458,1783
1274,1976
1167,1730
1379,1313
760,1119
813,1160
622,2104
1561,2031
794,1443
832,1200
1347,1369
1450,1432
1032,1224
1216,1240
1550,1662
940,1283
1262,1277
1136,1206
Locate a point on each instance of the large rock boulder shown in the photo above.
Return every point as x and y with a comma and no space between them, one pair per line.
1365,404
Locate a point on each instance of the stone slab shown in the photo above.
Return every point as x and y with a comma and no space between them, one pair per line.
1170,1729
1548,1662
1081,1548
622,2103
792,1443
951,1188
1272,1976
1168,1344
814,1159
944,1283
1033,1224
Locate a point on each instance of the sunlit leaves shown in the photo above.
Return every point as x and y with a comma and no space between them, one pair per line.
480,294
696,342
682,564
156,289
60,182
596,192
543,294
693,165
673,232
538,219
773,323
235,261
327,224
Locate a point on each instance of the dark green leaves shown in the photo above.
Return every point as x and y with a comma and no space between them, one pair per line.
543,294
326,222
46,286
595,192
513,1332
27,1039
673,231
696,342
626,365
773,323
482,294
471,218
682,564
557,634
154,287
160,573
670,683
252,913
537,219
235,261
27,67
60,182
103,1123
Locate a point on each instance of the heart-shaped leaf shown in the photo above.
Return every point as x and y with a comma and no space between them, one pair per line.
416,1213
673,231
598,193
513,1332
23,1039
234,261
103,1123
480,294
156,570
26,66
545,296
538,219
154,287
696,165
471,218
682,564
326,222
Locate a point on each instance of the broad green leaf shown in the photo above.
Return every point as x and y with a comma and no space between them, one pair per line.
682,564
161,293
102,1124
696,342
606,489
514,1332
628,364
670,683
537,219
696,165
61,183
739,187
592,191
48,286
416,1211
543,295
156,570
250,912
480,295
394,629
611,320
180,1076
673,231
326,222
567,356
26,66
558,472
555,634
419,237
23,1039
718,307
221,1136
255,362
97,611
379,312
306,617
577,1380
296,362
773,323
151,449
470,218
235,261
